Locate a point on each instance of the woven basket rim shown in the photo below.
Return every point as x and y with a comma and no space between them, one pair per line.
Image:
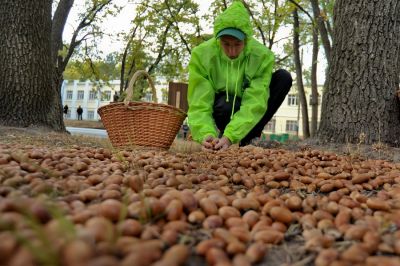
142,103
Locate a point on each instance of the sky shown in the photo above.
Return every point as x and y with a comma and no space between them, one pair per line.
121,23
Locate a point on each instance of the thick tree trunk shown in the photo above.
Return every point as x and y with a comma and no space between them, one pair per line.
299,75
26,78
364,74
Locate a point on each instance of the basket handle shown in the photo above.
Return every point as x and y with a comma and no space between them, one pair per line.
129,90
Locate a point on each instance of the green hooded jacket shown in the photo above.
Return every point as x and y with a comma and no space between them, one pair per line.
247,76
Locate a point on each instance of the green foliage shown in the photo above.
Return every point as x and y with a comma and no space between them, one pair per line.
327,9
163,33
63,53
87,70
160,41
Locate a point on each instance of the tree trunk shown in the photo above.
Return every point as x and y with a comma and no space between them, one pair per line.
58,24
299,75
328,17
363,74
123,63
314,85
123,60
322,30
26,78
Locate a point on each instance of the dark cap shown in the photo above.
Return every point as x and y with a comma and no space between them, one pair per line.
238,34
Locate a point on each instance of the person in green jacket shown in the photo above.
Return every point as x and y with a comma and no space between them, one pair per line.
233,92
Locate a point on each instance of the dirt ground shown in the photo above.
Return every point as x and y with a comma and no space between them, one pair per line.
290,252
363,151
375,151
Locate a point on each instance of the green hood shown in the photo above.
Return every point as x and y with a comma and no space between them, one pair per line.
235,16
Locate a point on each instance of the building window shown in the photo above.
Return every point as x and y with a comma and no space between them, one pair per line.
270,126
69,95
291,126
92,95
90,115
81,95
106,96
293,100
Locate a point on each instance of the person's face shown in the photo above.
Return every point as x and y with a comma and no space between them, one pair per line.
231,46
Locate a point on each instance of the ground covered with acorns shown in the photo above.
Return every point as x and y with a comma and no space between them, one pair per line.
75,201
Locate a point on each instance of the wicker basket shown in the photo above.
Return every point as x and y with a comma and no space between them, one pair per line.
131,124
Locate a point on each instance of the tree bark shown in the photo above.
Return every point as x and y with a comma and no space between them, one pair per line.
26,77
364,74
58,24
123,60
314,85
299,75
322,30
161,50
328,18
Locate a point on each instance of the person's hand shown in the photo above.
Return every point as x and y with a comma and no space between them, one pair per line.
223,143
208,143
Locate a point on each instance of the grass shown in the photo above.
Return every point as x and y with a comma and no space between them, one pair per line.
43,250
184,146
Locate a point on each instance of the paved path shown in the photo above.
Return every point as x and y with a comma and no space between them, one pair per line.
88,132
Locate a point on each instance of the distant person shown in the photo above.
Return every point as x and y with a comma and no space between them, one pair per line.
79,111
232,85
185,129
65,110
116,97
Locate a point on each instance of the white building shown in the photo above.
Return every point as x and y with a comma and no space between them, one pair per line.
288,118
92,95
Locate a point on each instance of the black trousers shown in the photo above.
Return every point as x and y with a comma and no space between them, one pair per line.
279,87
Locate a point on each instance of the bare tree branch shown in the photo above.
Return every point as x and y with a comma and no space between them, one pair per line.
124,55
225,4
164,39
86,21
160,50
302,9
322,30
258,26
177,28
280,60
57,28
